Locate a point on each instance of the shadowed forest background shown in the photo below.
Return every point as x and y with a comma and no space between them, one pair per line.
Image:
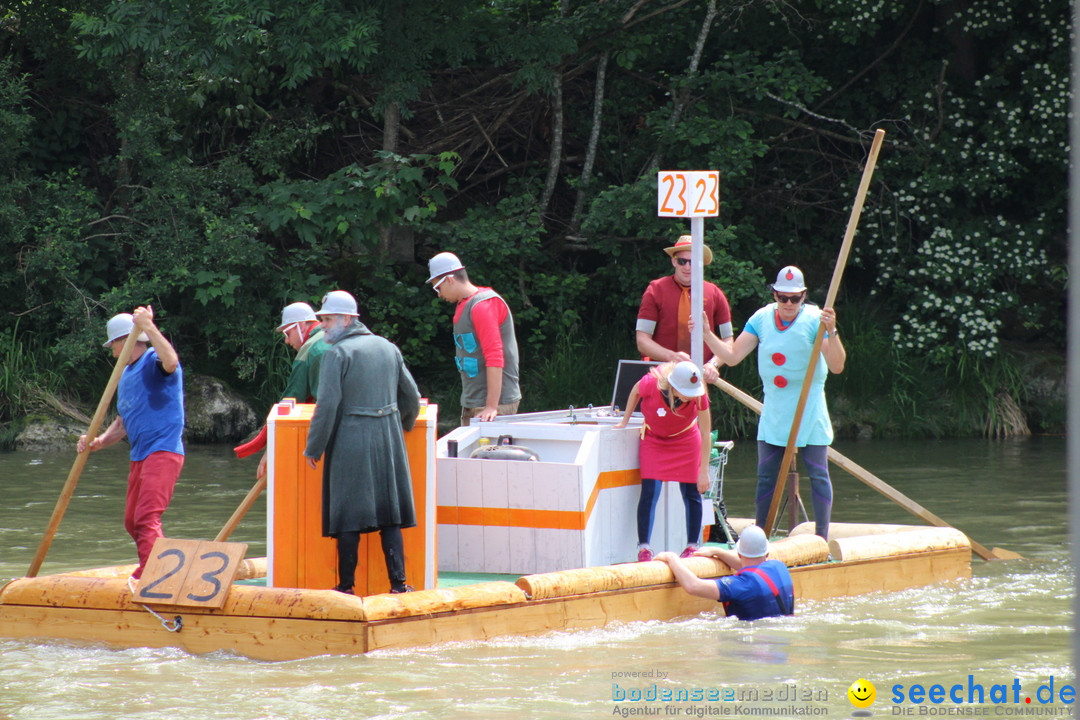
219,159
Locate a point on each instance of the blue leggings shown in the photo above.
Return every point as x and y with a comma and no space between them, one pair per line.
815,457
646,510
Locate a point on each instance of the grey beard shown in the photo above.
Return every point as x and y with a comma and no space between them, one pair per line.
335,334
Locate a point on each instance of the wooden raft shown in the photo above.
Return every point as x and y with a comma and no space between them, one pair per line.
281,623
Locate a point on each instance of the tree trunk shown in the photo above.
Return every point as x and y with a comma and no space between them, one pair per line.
396,242
391,133
555,157
683,97
594,140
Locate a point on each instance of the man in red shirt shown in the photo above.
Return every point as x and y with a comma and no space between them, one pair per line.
663,330
484,341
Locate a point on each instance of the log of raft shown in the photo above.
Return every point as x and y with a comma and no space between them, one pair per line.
249,569
909,542
843,530
430,602
798,551
113,593
108,593
804,550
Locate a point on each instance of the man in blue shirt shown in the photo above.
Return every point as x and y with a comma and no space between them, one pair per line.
150,407
760,587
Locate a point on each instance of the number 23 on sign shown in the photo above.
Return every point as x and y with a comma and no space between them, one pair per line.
189,572
688,193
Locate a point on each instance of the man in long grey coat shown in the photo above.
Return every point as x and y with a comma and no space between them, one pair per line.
366,399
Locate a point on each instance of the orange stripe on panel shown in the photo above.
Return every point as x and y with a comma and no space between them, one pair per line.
513,517
609,480
470,516
532,518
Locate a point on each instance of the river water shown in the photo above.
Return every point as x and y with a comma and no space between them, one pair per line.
1008,629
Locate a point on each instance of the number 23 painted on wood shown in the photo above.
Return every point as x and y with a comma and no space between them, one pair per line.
688,193
189,572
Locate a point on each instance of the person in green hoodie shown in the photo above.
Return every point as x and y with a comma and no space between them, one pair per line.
303,333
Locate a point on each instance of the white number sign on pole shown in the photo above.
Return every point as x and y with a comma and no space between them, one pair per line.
692,194
688,193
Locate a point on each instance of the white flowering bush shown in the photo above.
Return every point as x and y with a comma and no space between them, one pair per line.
968,222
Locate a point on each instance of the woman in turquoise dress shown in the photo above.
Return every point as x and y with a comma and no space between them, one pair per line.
783,333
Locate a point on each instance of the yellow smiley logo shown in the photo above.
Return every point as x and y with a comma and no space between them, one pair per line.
862,693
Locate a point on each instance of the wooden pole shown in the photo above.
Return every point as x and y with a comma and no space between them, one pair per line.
81,458
241,510
875,482
834,288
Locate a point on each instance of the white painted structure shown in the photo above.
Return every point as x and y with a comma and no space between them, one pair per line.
575,507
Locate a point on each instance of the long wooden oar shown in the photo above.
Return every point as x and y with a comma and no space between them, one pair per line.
241,510
834,287
81,458
876,483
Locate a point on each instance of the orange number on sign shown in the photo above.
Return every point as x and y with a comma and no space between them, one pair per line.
704,193
700,186
671,180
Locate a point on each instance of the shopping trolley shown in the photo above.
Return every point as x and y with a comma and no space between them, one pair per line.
714,497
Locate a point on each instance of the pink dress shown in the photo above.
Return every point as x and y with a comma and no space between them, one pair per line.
671,448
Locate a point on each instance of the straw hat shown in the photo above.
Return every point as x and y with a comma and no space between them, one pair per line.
684,243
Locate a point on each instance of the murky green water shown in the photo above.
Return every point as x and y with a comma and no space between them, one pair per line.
1011,622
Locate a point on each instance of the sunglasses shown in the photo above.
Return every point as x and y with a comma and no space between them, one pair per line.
793,299
435,287
682,261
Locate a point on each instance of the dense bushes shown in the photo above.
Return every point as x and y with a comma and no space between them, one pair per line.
221,158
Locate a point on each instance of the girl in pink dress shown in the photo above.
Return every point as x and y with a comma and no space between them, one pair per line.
674,445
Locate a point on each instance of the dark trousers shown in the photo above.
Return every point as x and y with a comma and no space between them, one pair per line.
348,546
646,510
815,457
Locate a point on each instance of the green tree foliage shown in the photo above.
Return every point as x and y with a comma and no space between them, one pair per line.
220,158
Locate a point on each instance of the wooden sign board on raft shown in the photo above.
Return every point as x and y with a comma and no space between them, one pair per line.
189,573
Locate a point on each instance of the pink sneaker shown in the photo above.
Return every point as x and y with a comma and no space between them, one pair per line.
690,550
644,553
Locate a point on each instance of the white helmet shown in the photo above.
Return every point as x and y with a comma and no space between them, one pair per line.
338,302
442,264
120,326
296,313
686,378
789,280
752,542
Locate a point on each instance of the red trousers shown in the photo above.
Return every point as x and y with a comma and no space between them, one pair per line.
150,488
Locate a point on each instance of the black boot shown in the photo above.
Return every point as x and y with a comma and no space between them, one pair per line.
348,547
394,552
